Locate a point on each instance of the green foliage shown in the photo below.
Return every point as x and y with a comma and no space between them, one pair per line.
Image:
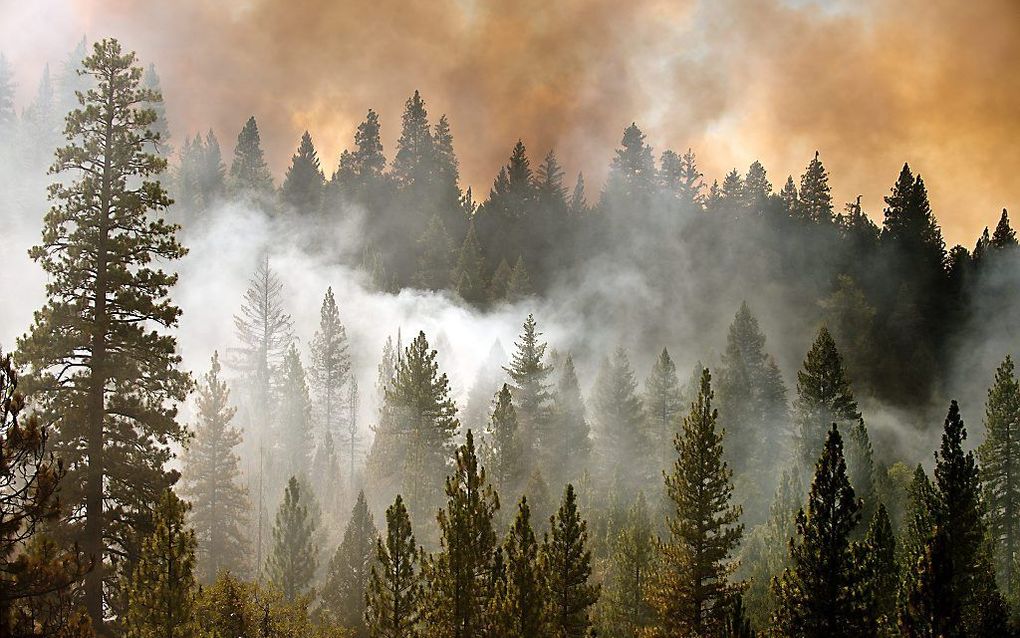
663,403
516,606
566,451
249,174
393,603
624,610
815,194
503,449
565,564
303,184
529,373
291,563
621,440
350,569
824,395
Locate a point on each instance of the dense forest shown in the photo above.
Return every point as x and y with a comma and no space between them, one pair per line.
641,460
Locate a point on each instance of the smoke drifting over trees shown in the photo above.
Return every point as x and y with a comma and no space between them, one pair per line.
666,403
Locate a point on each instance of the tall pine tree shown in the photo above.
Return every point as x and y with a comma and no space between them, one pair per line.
350,569
291,564
565,564
393,603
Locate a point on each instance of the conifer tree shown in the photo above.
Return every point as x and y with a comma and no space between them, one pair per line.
519,287
731,192
111,381
249,173
625,609
1004,236
435,253
691,182
566,452
468,276
303,184
446,164
736,624
160,590
617,417
291,564
350,569
529,373
815,193
1000,473
214,173
503,450
578,205
327,476
226,607
150,81
632,175
791,199
211,480
7,85
824,395
500,282
756,188
461,576
919,522
877,556
821,593
294,426
930,607
565,564
330,368
393,604
860,467
691,591
369,160
413,162
517,603
663,402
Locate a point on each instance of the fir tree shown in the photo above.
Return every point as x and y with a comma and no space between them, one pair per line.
435,252
150,81
691,184
578,205
757,188
824,395
291,564
468,276
877,556
393,604
632,174
294,435
369,160
160,589
565,564
517,604
1004,236
791,199
519,286
691,591
617,417
860,467
625,610
446,164
504,450
412,164
919,522
821,594
815,193
910,225
549,182
663,402
111,382
249,174
461,577
350,569
302,186
930,607
500,282
211,480
331,365
1000,473
566,452
529,373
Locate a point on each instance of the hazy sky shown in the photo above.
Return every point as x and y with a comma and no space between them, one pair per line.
870,83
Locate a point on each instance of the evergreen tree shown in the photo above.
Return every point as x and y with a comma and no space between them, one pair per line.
504,450
566,452
565,564
736,624
160,589
7,86
291,564
369,160
303,184
461,576
413,162
821,594
211,480
909,221
517,603
691,183
294,435
446,164
1004,236
350,569
731,192
435,253
930,607
468,277
150,81
815,193
625,610
632,175
325,469
393,604
111,381
549,182
757,188
663,402
213,175
620,436
877,557
824,395
791,199
578,205
415,435
919,523
529,373
500,282
1000,473
519,286
249,173
860,467
691,592
331,365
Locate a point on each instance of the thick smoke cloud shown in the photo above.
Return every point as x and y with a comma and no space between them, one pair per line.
870,84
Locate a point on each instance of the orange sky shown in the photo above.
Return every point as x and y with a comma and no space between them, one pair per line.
870,83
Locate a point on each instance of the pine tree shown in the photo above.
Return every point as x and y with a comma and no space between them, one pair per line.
736,624
877,556
516,606
227,607
528,374
294,426
249,174
626,612
503,450
662,402
160,589
815,193
291,564
791,199
1000,473
821,594
731,192
213,174
567,450
350,569
632,174
692,185
919,524
519,286
578,205
757,189
617,418
150,81
111,382
930,607
500,282
691,591
211,480
369,160
446,164
303,184
549,182
824,395
910,226
565,564
461,577
393,605
414,438
331,365
1004,236
325,471
413,162
468,276
435,253
860,467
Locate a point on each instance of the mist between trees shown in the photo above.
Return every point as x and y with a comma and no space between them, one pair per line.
544,411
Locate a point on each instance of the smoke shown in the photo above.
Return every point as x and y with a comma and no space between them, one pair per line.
870,84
